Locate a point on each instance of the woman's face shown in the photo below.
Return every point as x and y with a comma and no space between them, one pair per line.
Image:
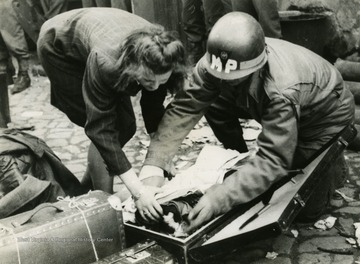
151,82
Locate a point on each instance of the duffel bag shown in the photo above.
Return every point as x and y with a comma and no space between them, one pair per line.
31,173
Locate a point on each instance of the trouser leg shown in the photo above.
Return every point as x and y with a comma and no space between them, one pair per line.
103,3
122,4
52,8
14,37
332,177
4,56
194,29
10,72
319,201
193,20
88,3
223,118
96,3
266,12
6,65
65,81
213,10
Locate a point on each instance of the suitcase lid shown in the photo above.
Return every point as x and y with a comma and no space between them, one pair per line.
284,205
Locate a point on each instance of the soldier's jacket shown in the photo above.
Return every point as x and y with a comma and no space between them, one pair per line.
298,98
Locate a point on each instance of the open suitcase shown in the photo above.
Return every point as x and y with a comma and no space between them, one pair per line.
77,230
222,234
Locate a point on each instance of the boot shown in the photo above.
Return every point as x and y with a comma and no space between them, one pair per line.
22,82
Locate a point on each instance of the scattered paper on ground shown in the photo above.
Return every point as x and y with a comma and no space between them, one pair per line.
325,224
271,255
357,232
346,198
295,233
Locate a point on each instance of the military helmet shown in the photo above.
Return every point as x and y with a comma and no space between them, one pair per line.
235,47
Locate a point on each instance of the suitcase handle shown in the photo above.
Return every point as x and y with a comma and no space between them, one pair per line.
33,212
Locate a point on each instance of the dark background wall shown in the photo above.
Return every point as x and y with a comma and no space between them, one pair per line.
335,35
340,32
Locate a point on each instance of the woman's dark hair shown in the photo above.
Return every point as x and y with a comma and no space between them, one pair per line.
152,49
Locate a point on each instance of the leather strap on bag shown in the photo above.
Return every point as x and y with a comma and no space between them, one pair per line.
33,212
73,203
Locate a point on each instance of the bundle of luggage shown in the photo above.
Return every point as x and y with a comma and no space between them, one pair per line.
46,216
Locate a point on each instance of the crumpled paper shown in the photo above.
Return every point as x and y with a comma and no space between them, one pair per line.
325,224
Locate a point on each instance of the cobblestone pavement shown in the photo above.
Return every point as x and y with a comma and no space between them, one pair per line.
32,108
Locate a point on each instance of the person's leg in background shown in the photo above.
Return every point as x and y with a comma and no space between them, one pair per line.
266,12
4,58
6,64
122,4
268,16
52,8
214,9
96,3
194,29
14,38
11,71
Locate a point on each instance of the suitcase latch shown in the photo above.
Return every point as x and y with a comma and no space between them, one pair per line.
299,200
139,252
343,141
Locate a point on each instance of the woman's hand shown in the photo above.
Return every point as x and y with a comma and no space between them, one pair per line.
144,196
147,205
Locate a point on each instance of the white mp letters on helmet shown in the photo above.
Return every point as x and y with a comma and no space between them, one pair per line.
217,65
232,65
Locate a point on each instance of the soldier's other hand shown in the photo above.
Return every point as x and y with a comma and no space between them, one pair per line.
213,203
200,214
